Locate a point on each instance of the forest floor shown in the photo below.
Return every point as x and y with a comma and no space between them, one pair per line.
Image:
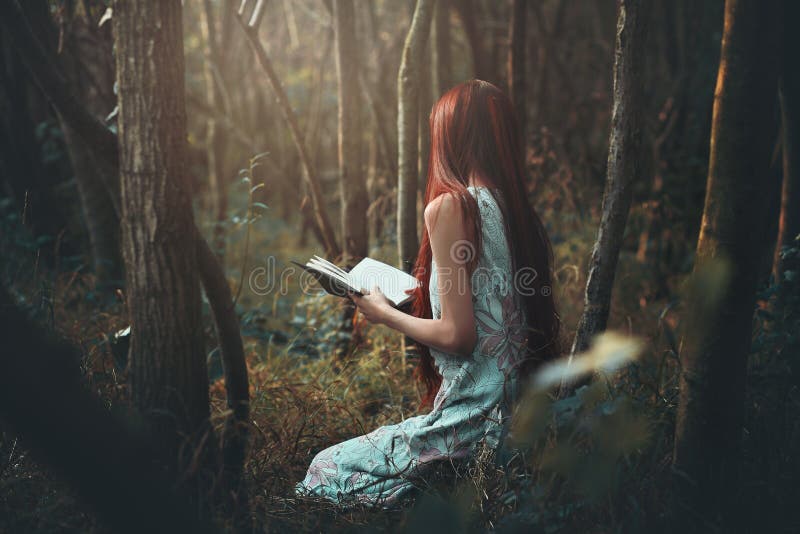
600,457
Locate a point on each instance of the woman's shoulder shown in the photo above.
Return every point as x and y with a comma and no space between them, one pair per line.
446,206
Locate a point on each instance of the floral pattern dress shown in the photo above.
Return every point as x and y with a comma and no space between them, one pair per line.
471,407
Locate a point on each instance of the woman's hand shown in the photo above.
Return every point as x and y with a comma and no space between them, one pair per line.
374,305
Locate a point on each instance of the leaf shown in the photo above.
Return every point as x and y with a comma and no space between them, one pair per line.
256,187
608,352
260,205
259,156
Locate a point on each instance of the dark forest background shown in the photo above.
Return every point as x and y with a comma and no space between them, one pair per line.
161,163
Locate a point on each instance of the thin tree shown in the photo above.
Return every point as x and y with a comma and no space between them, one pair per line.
215,142
467,11
714,351
789,86
424,138
624,157
352,182
442,58
516,61
407,132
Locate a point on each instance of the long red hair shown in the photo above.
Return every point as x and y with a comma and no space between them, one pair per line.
474,131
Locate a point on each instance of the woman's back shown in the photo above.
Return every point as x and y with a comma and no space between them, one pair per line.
483,384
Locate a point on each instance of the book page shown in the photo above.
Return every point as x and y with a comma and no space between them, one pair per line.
392,281
338,275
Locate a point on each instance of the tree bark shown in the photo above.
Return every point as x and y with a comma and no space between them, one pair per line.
624,157
52,85
424,138
789,84
516,62
407,132
466,10
442,72
167,367
352,181
715,349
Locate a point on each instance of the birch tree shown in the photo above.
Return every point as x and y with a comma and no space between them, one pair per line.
408,81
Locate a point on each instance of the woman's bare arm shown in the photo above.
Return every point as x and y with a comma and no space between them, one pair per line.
455,331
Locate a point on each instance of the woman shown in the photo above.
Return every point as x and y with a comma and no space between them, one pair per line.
478,338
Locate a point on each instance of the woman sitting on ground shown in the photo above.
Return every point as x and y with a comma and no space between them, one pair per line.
484,314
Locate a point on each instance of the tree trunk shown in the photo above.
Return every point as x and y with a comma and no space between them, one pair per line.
352,182
88,60
715,349
424,137
442,72
95,169
624,157
99,216
168,376
54,87
789,225
516,62
466,10
407,132
215,138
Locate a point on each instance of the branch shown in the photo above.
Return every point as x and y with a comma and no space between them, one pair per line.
321,217
234,366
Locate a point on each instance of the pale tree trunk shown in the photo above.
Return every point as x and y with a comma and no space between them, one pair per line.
167,365
424,138
516,62
789,225
624,164
442,72
715,346
352,182
408,80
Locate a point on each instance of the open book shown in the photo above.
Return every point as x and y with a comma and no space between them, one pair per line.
367,274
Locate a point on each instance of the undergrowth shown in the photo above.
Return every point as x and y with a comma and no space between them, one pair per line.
595,461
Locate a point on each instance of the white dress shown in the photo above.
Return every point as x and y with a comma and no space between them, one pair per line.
471,406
